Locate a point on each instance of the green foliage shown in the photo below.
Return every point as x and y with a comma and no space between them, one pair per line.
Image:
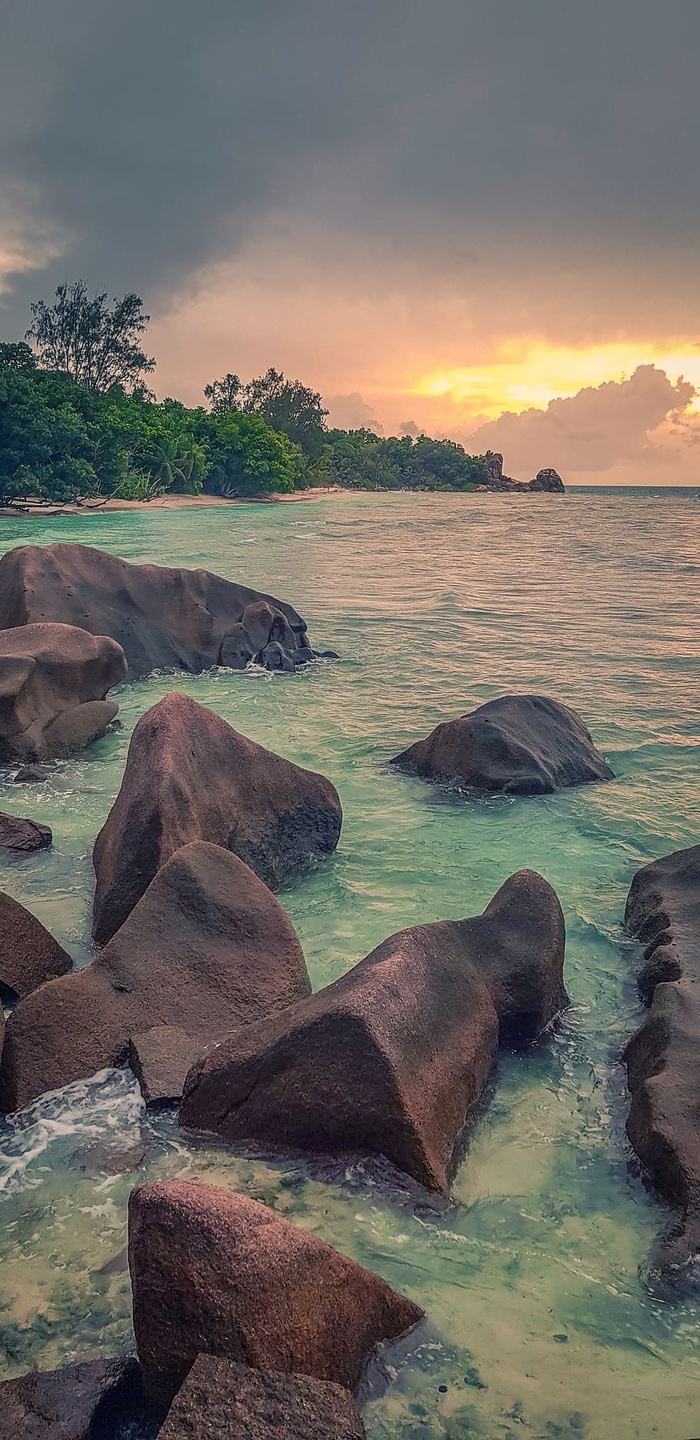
361,460
247,457
285,405
96,343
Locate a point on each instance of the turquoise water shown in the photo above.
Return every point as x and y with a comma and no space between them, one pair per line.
539,1323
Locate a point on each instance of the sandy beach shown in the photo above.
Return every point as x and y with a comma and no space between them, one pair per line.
31,510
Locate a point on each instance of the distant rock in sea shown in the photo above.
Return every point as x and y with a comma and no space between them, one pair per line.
545,480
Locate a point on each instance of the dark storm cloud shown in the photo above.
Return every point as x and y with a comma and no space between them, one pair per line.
149,136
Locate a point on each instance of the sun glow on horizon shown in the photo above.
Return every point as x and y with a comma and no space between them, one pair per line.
525,376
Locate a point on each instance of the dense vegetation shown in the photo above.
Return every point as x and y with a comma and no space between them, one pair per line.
76,419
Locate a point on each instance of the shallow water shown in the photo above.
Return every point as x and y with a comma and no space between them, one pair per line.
539,1323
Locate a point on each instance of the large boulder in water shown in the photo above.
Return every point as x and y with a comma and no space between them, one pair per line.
24,836
29,955
190,776
393,1057
222,1400
663,1058
216,1273
207,949
517,745
54,681
549,481
163,618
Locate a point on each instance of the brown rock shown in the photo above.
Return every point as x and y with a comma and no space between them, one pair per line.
66,1404
207,949
54,681
29,955
189,776
162,618
19,834
549,481
215,1272
221,1400
518,745
160,1059
663,1058
393,1057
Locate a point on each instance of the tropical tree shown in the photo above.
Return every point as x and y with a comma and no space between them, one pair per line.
86,337
225,394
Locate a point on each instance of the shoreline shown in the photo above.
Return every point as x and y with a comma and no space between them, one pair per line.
31,510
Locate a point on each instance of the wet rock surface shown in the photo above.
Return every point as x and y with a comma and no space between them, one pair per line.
207,949
663,1057
221,1400
160,1059
76,1402
21,834
163,618
215,1272
54,680
189,776
515,745
393,1057
29,955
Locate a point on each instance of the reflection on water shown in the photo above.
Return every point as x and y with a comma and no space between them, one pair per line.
538,1322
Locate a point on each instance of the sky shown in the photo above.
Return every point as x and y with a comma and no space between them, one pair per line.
477,218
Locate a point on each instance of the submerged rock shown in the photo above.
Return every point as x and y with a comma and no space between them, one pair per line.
29,955
21,834
663,1058
516,745
215,1272
163,618
54,681
207,949
190,776
393,1057
221,1400
68,1404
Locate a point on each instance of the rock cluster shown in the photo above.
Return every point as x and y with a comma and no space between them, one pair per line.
162,618
547,479
663,1058
393,1057
54,681
189,776
207,949
516,745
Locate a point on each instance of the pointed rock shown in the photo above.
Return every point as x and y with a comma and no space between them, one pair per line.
221,1400
215,1272
207,949
393,1057
190,776
29,955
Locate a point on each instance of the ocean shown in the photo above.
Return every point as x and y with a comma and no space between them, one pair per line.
539,1321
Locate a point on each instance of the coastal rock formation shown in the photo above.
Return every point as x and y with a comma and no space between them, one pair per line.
190,776
29,955
516,745
393,1057
161,1059
54,681
216,1273
208,948
22,835
70,1403
223,1399
547,480
663,1058
162,618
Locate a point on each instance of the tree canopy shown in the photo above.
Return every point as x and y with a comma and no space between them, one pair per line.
96,343
77,420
